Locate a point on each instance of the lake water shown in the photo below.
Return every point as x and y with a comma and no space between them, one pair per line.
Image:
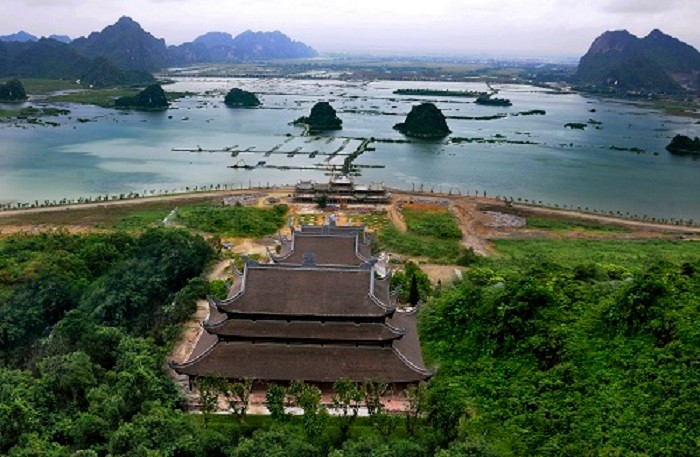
121,153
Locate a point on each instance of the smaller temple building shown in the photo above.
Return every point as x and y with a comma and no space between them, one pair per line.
342,190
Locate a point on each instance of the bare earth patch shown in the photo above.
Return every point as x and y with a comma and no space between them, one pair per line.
444,274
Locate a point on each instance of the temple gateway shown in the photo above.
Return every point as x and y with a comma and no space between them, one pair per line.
318,313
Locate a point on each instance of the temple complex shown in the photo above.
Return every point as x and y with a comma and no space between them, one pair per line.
318,313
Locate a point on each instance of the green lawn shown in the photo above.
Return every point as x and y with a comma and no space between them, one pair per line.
37,86
629,254
140,220
431,233
235,221
100,97
567,225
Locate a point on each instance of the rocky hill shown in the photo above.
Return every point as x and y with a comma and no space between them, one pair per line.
619,62
152,98
424,121
323,117
239,98
127,45
51,59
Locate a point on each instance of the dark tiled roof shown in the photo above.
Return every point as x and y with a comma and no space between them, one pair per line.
215,316
365,250
409,344
204,343
305,330
329,250
277,362
286,290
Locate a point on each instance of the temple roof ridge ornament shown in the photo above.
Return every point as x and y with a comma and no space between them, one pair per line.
308,260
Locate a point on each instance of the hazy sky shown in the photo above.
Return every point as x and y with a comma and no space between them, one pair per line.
470,27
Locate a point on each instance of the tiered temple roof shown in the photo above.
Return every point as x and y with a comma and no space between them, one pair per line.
310,321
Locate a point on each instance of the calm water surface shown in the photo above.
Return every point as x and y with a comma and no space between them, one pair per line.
120,153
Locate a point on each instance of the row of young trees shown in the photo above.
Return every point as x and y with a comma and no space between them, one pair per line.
347,400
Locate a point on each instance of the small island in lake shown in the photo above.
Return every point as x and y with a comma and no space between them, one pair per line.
239,98
681,144
152,98
12,91
322,117
439,92
486,99
424,121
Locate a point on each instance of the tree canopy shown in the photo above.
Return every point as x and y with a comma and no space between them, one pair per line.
681,144
12,91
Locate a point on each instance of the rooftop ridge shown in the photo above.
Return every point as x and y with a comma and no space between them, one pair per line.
312,330
227,356
331,244
174,365
411,365
213,308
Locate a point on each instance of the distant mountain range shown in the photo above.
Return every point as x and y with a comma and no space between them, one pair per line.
129,51
249,45
23,37
620,62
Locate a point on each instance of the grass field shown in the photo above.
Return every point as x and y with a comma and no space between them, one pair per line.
104,97
135,215
565,225
100,97
629,254
234,221
30,112
432,233
36,86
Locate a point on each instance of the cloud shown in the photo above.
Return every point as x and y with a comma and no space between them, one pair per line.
640,6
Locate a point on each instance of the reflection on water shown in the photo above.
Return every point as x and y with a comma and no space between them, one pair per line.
121,152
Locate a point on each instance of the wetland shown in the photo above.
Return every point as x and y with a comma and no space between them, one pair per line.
498,150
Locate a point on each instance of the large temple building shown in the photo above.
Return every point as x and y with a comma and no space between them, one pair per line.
318,313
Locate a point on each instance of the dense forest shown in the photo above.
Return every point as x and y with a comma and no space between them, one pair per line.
536,354
541,359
